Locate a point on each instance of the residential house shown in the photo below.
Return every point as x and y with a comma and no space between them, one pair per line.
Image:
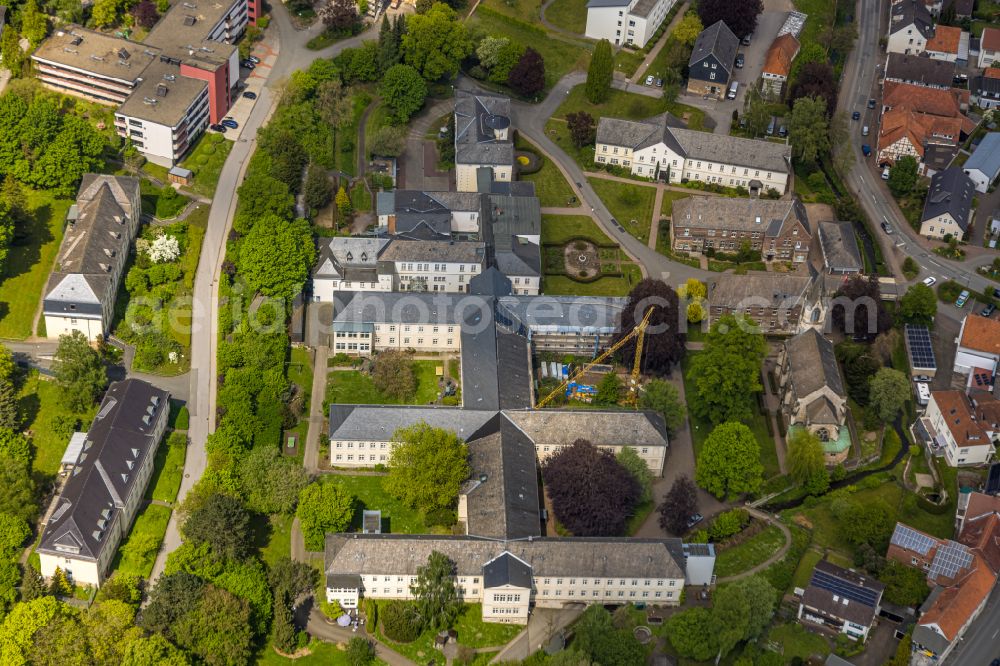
81,291
779,303
978,345
778,64
985,91
841,601
483,138
925,123
948,207
962,574
105,483
963,8
347,263
989,47
660,148
626,22
919,70
839,248
964,439
812,392
910,27
711,64
983,166
779,230
947,44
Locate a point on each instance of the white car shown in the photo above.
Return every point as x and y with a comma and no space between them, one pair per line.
649,80
930,281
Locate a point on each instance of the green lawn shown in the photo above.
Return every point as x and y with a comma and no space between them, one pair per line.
49,421
750,553
568,14
206,160
631,205
560,228
803,573
669,197
475,633
168,468
138,552
397,518
561,54
796,641
822,15
524,10
551,186
347,160
361,199
560,285
28,263
356,387
279,542
701,429
300,372
320,654
627,61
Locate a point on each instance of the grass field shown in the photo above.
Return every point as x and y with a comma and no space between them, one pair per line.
560,285
627,61
569,15
750,553
560,228
667,204
300,371
279,542
28,263
356,387
803,573
796,641
206,160
168,468
49,420
397,518
523,10
472,631
631,205
700,429
138,552
320,654
550,185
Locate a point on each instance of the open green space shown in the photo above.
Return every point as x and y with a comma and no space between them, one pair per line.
523,10
138,552
822,16
29,260
631,205
206,160
320,654
561,54
346,138
569,15
397,518
750,553
701,429
797,641
667,204
300,372
628,60
279,541
356,387
560,228
168,468
49,420
560,285
163,202
551,186
803,572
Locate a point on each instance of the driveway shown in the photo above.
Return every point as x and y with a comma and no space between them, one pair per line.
988,203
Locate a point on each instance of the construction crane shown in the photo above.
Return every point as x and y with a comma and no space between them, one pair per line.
639,332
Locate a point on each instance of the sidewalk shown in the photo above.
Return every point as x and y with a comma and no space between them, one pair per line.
640,72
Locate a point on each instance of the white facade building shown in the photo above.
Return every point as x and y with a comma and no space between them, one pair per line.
964,439
621,22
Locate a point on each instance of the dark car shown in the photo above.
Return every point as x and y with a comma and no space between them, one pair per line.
856,115
250,95
739,61
253,59
871,103
989,310
659,83
246,64
230,123
694,520
221,129
996,293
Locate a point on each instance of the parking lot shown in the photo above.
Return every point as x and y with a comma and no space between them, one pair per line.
253,81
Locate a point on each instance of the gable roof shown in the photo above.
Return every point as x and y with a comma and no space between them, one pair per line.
951,192
953,607
839,246
981,527
843,593
980,334
990,39
911,12
719,41
986,156
934,101
956,411
770,217
561,427
637,134
813,364
478,118
945,40
781,54
506,569
921,70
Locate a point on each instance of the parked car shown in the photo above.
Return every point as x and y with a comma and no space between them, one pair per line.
922,378
782,131
930,281
885,173
695,519
856,115
659,83
871,103
963,298
230,123
996,293
221,129
739,61
866,149
250,95
746,40
989,310
246,64
649,80
864,131
253,59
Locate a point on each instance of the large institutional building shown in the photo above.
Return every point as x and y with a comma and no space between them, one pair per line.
169,86
626,22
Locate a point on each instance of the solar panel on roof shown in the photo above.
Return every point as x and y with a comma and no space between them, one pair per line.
843,588
910,539
949,560
918,341
993,480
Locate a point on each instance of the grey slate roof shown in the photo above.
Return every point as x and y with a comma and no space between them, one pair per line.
773,289
927,637
911,12
583,314
839,246
467,252
719,41
812,363
426,215
951,192
343,253
400,554
750,153
770,217
506,570
637,134
477,115
104,477
556,427
986,156
920,70
377,423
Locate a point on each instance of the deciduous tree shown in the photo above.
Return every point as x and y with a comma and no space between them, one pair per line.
637,467
903,176
317,190
687,29
599,73
393,375
323,507
339,16
426,467
275,257
739,15
436,42
388,141
271,482
809,128
857,308
223,523
694,633
527,77
816,79
726,374
153,649
217,629
34,24
360,652
592,493
664,344
434,592
79,371
918,305
582,128
806,463
403,90
145,14
609,390
663,397
596,636
889,391
679,505
729,463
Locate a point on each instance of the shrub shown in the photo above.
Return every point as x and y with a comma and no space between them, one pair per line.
728,523
441,518
400,622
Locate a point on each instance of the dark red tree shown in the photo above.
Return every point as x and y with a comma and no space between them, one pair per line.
679,505
739,15
852,309
145,14
339,15
816,79
591,493
581,128
527,77
664,343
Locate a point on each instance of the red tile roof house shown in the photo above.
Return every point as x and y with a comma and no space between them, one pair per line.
964,437
916,118
978,345
962,574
